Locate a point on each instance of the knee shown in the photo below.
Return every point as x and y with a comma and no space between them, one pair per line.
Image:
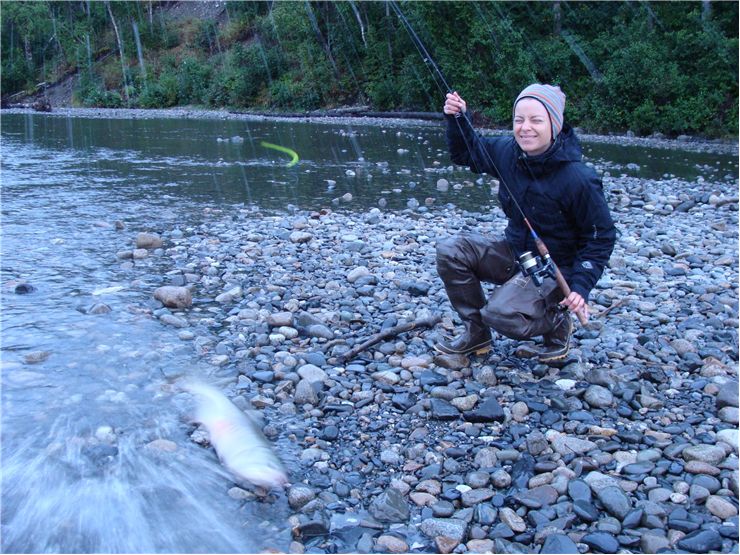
514,325
448,252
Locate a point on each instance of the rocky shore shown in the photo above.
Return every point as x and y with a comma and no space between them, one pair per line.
630,445
684,142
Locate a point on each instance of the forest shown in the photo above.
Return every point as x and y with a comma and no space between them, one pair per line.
644,67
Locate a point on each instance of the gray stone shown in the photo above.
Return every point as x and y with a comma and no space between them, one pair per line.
313,374
721,507
300,237
390,506
710,454
484,375
357,273
278,319
566,445
512,520
453,528
601,542
598,397
653,541
559,543
537,443
728,395
305,394
299,495
474,496
148,241
174,297
728,414
615,501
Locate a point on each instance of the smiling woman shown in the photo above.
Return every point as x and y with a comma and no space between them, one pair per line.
550,197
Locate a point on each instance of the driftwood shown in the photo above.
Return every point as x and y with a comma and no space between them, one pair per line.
429,322
614,305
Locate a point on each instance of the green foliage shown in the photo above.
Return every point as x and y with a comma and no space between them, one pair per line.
645,66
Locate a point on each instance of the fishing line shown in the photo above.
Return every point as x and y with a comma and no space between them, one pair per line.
541,247
427,58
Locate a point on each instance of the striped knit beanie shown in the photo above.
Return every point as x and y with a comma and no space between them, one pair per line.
552,98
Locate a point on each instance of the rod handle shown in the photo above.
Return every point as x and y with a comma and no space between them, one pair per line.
566,291
564,287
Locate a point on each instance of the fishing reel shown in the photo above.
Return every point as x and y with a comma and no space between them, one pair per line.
536,267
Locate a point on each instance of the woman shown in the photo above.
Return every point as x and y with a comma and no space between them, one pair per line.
541,166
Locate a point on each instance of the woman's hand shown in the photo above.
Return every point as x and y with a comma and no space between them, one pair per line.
454,105
575,303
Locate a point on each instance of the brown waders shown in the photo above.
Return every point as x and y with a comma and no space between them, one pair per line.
517,308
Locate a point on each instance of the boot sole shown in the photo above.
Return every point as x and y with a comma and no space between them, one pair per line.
554,357
480,350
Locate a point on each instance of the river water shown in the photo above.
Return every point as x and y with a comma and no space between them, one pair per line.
86,398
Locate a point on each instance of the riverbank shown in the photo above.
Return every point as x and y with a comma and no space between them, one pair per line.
630,444
686,143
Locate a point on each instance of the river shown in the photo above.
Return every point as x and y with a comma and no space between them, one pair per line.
86,398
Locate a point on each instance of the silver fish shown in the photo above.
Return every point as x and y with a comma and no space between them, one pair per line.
238,441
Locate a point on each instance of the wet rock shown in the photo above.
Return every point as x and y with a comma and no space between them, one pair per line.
512,520
174,297
653,541
299,495
488,411
710,454
615,501
300,237
24,289
443,410
391,544
728,396
559,543
36,357
598,397
148,241
390,506
565,444
445,527
99,308
279,319
701,541
305,394
720,507
601,542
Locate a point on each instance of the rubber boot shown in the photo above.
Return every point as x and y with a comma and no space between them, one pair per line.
557,342
467,300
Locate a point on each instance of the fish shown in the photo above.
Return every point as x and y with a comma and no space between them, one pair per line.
237,439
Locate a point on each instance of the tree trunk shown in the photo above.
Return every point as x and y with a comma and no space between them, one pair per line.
27,51
120,50
557,21
54,30
322,42
706,10
359,21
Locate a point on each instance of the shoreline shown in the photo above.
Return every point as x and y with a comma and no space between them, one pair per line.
691,144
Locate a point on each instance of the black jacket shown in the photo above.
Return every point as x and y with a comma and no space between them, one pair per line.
562,198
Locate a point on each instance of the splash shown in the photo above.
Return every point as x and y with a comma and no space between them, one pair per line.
284,149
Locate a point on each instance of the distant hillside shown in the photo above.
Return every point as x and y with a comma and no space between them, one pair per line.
670,67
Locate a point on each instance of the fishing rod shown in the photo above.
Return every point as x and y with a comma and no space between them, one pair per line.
539,243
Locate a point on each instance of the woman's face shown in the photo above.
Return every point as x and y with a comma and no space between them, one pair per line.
532,127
